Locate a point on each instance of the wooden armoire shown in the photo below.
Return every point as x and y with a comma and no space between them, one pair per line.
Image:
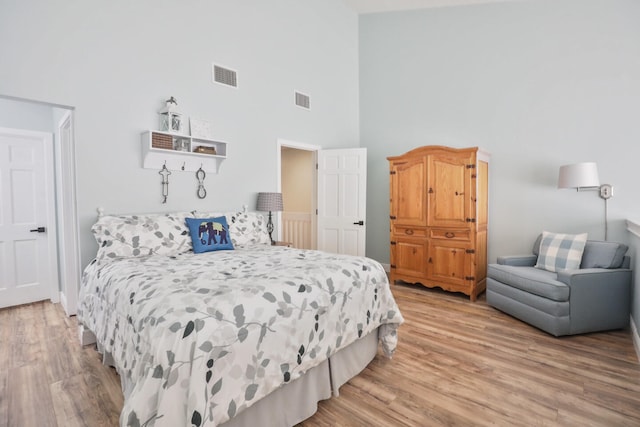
438,216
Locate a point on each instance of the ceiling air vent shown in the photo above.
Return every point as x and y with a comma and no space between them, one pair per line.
302,100
225,76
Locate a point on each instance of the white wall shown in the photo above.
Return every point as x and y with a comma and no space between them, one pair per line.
116,62
538,84
26,115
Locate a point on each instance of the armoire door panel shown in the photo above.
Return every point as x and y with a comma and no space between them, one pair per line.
449,190
449,262
408,199
409,257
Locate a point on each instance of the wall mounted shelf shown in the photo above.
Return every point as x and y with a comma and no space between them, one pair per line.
181,152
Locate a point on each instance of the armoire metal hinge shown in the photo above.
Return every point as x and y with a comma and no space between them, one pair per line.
470,251
471,166
470,278
474,176
392,172
392,266
392,243
392,217
471,220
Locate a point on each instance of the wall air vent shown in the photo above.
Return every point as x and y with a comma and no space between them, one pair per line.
225,76
302,100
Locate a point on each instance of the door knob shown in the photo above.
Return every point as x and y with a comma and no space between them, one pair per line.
361,222
38,230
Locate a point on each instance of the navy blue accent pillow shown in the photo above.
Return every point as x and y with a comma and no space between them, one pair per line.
209,234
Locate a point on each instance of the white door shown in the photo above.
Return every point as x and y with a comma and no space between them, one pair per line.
28,269
342,200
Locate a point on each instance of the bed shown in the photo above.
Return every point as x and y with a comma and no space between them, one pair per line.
256,335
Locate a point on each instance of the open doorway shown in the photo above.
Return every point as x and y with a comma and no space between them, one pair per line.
22,117
297,183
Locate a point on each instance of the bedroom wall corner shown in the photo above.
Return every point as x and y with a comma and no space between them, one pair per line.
535,84
121,61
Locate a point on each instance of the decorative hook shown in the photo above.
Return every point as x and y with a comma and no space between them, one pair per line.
164,172
200,176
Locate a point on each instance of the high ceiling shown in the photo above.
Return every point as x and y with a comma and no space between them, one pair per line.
371,6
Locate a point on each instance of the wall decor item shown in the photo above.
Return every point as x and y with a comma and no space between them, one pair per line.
183,144
164,172
161,140
200,176
200,129
171,119
162,147
203,149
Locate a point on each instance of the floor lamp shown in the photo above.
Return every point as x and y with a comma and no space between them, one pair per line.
584,177
271,202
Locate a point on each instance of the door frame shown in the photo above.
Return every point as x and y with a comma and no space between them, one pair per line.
49,174
64,160
67,212
280,143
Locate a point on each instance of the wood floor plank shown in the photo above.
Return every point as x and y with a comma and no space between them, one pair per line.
29,401
4,397
458,363
105,383
61,359
73,408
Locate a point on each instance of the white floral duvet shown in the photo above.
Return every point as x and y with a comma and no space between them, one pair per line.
203,336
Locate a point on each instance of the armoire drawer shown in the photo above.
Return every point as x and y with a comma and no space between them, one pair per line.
400,230
450,234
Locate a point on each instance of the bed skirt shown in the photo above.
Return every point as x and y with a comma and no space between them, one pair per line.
295,402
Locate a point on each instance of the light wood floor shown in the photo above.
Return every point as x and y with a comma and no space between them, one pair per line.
458,364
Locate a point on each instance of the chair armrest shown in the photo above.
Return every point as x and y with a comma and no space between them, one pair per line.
600,298
596,277
518,260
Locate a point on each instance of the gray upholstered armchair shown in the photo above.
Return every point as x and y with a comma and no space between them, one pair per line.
594,297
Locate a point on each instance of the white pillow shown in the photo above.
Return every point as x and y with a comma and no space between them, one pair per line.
248,228
141,235
561,251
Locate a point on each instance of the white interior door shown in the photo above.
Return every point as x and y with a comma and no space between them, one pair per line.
28,270
342,200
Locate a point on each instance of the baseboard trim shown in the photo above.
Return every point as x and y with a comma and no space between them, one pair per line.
63,302
635,337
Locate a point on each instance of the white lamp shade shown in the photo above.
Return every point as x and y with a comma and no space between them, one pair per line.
270,202
578,175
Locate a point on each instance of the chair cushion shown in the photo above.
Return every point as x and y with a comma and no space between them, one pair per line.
598,254
530,279
561,251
